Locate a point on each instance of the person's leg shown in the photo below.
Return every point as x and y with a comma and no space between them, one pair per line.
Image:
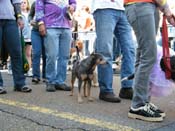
15,50
146,57
28,51
125,40
62,57
105,24
43,61
51,44
2,89
36,53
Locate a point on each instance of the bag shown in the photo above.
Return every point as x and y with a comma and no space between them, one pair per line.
167,62
24,59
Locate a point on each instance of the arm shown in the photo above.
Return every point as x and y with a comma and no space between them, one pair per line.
72,6
17,9
32,12
39,10
164,7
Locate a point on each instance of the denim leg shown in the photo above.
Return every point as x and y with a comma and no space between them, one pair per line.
51,43
63,54
44,60
123,34
105,24
11,33
36,52
1,28
143,24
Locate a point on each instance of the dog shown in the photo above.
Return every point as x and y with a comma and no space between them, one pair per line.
74,54
83,71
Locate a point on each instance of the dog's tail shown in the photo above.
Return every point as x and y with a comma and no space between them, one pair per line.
78,55
128,78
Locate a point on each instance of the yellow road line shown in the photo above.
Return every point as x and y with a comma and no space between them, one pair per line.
68,116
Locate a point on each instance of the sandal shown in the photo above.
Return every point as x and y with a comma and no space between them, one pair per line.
24,89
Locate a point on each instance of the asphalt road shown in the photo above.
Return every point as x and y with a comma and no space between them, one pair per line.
57,111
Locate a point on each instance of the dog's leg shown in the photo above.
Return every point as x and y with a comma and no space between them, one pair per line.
85,88
72,84
95,79
80,100
89,90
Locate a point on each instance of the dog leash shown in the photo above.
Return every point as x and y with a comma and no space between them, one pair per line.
166,53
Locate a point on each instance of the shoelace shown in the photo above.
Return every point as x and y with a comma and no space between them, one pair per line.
147,109
152,106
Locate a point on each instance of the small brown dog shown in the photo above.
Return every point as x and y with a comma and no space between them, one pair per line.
83,71
79,44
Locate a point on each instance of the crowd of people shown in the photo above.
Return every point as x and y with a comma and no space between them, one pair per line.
46,27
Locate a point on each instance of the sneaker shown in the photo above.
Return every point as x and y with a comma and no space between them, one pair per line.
2,90
126,93
44,80
50,88
156,109
25,89
109,97
35,80
63,87
145,113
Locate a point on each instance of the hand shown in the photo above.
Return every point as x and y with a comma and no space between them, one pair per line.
33,22
20,23
42,30
71,9
171,19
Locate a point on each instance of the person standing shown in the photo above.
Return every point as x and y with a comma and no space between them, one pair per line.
9,30
54,20
141,16
38,49
26,31
110,18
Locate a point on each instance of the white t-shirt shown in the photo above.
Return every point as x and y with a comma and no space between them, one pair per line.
103,4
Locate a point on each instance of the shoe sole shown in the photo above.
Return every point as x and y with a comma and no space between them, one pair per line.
150,119
163,115
3,92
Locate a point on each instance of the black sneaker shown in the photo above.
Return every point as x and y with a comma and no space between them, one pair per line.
126,93
63,87
50,88
156,109
109,97
35,80
145,113
2,90
25,89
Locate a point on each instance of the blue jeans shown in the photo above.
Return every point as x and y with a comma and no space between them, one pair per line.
109,22
143,20
38,50
9,30
57,46
116,49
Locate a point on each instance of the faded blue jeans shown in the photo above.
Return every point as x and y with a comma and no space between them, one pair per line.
143,20
57,46
109,22
38,51
9,30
